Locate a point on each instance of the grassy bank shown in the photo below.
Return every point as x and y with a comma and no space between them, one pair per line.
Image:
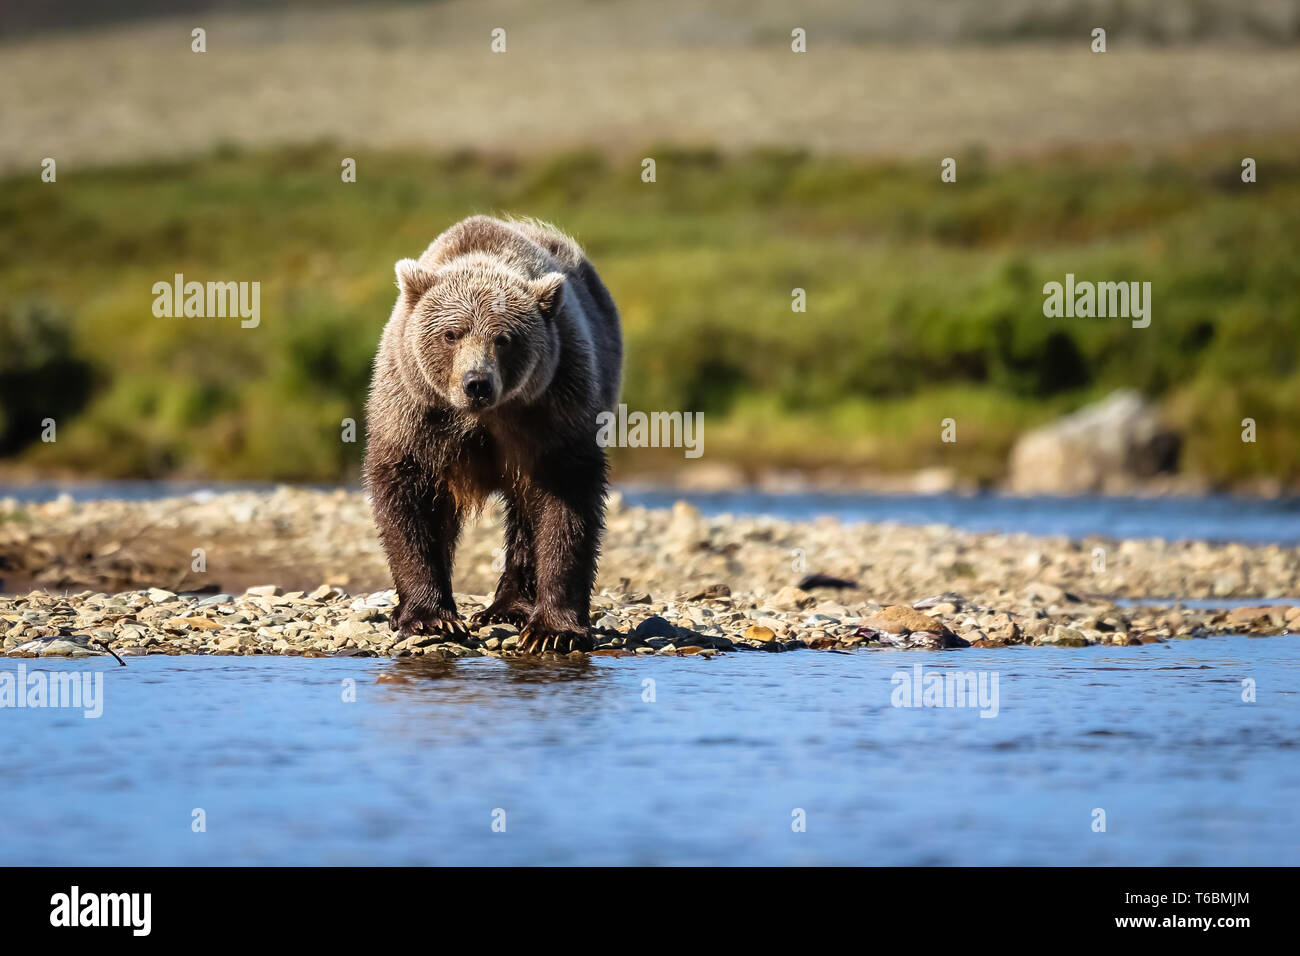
924,300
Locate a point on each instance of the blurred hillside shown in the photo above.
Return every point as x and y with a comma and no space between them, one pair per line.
775,171
687,22
894,78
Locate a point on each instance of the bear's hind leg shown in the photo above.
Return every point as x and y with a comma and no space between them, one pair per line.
512,603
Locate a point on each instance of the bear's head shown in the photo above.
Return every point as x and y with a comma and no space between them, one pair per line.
480,334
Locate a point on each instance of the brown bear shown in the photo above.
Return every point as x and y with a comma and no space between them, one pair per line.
502,349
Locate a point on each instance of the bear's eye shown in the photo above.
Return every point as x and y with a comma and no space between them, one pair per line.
502,341
450,336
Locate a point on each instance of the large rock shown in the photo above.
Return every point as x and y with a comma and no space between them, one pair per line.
906,627
1101,447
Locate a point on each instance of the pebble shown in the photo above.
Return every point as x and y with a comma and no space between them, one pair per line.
674,582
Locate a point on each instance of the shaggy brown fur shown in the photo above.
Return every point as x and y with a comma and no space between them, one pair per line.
502,348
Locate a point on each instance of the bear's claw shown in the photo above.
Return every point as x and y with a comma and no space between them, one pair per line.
515,612
434,622
534,640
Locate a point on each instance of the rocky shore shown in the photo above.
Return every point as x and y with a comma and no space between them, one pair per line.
299,572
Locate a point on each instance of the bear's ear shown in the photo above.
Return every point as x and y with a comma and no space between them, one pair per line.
547,292
412,279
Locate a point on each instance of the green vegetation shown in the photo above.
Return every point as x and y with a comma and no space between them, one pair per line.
40,376
924,300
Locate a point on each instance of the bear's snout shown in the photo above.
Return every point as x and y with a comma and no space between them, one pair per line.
479,388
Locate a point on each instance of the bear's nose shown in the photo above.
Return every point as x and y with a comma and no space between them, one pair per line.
477,385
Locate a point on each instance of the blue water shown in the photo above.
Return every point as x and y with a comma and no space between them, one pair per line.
1207,604
1209,517
711,771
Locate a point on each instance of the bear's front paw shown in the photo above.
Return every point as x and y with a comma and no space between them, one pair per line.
559,632
507,609
409,620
